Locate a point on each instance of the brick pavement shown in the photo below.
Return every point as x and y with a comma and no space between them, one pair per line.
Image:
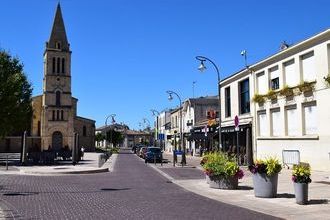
132,191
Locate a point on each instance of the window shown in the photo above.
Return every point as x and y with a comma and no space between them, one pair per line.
274,78
292,121
227,104
53,118
291,78
58,64
276,123
262,119
62,116
58,115
63,65
244,97
310,119
308,67
58,45
84,131
262,83
54,65
58,98
39,128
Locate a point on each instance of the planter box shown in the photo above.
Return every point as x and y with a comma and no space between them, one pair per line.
301,193
224,183
265,186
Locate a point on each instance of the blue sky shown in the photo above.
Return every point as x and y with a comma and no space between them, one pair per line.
127,53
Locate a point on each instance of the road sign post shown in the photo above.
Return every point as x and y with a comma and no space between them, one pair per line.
236,121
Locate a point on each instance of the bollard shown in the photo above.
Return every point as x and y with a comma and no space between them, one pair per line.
7,162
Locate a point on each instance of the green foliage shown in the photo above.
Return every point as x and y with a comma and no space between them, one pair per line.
115,137
271,94
260,99
15,96
301,173
286,91
99,137
219,164
273,166
306,86
114,150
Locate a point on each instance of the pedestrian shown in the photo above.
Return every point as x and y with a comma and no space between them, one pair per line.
82,150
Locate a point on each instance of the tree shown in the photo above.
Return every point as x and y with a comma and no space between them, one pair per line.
115,137
99,137
15,96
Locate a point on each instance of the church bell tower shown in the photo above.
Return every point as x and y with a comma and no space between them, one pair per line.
57,129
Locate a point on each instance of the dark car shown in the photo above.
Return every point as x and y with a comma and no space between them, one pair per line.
152,154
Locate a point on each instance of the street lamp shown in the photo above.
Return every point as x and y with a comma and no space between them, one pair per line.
156,114
201,68
170,97
112,121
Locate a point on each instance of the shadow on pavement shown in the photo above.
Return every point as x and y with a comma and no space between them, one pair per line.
317,201
20,194
245,188
114,189
285,195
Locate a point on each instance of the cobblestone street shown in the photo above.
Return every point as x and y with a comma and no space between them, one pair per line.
132,191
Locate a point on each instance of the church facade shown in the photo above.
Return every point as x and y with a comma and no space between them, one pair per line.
55,119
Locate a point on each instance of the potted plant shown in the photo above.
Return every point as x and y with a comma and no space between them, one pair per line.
327,79
301,178
306,86
265,177
260,99
271,95
286,91
222,170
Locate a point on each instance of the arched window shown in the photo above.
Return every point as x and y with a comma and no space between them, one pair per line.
63,65
58,45
58,98
62,117
54,65
84,131
53,115
58,114
58,64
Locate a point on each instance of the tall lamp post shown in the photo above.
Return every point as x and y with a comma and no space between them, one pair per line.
170,97
156,114
201,68
112,121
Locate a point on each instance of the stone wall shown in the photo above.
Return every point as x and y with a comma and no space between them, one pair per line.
87,138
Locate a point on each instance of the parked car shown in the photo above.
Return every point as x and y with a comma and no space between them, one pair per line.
153,153
143,152
138,148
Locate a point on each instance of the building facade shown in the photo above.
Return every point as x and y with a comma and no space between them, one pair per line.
55,119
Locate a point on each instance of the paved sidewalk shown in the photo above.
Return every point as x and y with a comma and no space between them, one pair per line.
283,206
90,164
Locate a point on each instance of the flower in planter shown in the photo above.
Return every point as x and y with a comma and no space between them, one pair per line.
269,166
301,173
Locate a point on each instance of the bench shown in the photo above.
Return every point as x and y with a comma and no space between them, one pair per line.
9,157
290,157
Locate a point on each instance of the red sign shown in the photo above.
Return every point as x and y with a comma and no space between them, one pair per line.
236,120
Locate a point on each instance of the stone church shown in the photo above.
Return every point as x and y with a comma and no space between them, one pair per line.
55,119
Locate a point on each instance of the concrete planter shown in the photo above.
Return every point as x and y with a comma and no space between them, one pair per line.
301,193
207,179
223,182
265,186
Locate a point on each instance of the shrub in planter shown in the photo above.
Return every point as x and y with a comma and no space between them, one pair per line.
260,99
271,95
286,91
222,170
306,86
301,178
265,177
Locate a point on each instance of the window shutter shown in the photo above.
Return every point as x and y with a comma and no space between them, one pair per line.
310,119
263,131
276,123
291,77
308,67
262,83
292,122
